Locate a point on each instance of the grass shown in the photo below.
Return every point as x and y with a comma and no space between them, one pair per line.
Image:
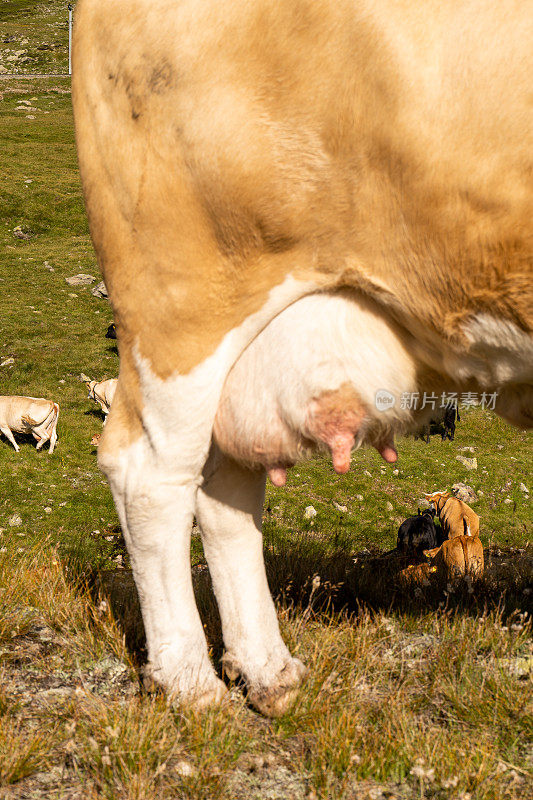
33,37
404,699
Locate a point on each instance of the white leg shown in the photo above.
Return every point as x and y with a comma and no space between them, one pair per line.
229,509
155,509
7,433
53,438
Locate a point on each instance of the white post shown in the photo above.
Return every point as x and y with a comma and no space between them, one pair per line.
70,38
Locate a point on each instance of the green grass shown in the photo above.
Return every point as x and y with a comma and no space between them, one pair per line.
33,37
414,700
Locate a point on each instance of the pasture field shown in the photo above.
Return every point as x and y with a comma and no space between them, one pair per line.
406,698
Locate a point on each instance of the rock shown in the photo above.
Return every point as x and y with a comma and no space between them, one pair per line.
507,501
519,667
100,290
19,233
310,512
469,463
184,768
80,280
466,449
499,446
111,669
15,520
389,506
359,497
47,510
395,471
522,487
367,473
342,509
464,492
6,362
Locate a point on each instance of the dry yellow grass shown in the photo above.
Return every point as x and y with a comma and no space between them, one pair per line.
407,705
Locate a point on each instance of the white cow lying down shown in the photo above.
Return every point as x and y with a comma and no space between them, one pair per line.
29,415
294,206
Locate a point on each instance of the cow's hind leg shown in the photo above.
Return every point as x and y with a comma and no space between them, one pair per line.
155,500
229,509
9,436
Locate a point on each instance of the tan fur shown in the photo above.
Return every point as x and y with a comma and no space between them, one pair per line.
457,558
456,518
33,415
102,392
422,575
382,146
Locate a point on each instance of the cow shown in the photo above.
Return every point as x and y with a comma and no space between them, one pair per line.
102,392
33,415
457,558
455,516
244,164
417,534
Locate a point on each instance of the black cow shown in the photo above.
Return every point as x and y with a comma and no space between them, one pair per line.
417,534
111,332
451,413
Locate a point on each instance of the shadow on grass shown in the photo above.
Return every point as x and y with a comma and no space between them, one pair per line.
302,578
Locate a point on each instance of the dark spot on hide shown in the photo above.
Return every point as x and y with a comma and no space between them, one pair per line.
161,78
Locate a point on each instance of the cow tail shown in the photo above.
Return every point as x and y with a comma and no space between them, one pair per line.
465,556
53,416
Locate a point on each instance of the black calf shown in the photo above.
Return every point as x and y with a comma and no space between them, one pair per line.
418,533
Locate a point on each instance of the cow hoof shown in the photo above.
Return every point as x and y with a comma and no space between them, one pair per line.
273,699
209,693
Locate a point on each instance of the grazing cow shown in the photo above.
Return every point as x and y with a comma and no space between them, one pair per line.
248,165
417,534
443,423
102,392
33,415
456,518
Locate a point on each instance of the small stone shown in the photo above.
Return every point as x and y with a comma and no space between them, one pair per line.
47,510
464,492
310,512
15,520
523,488
19,233
359,497
184,768
6,362
466,449
507,501
389,506
100,290
80,280
395,471
499,446
342,509
469,463
367,473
